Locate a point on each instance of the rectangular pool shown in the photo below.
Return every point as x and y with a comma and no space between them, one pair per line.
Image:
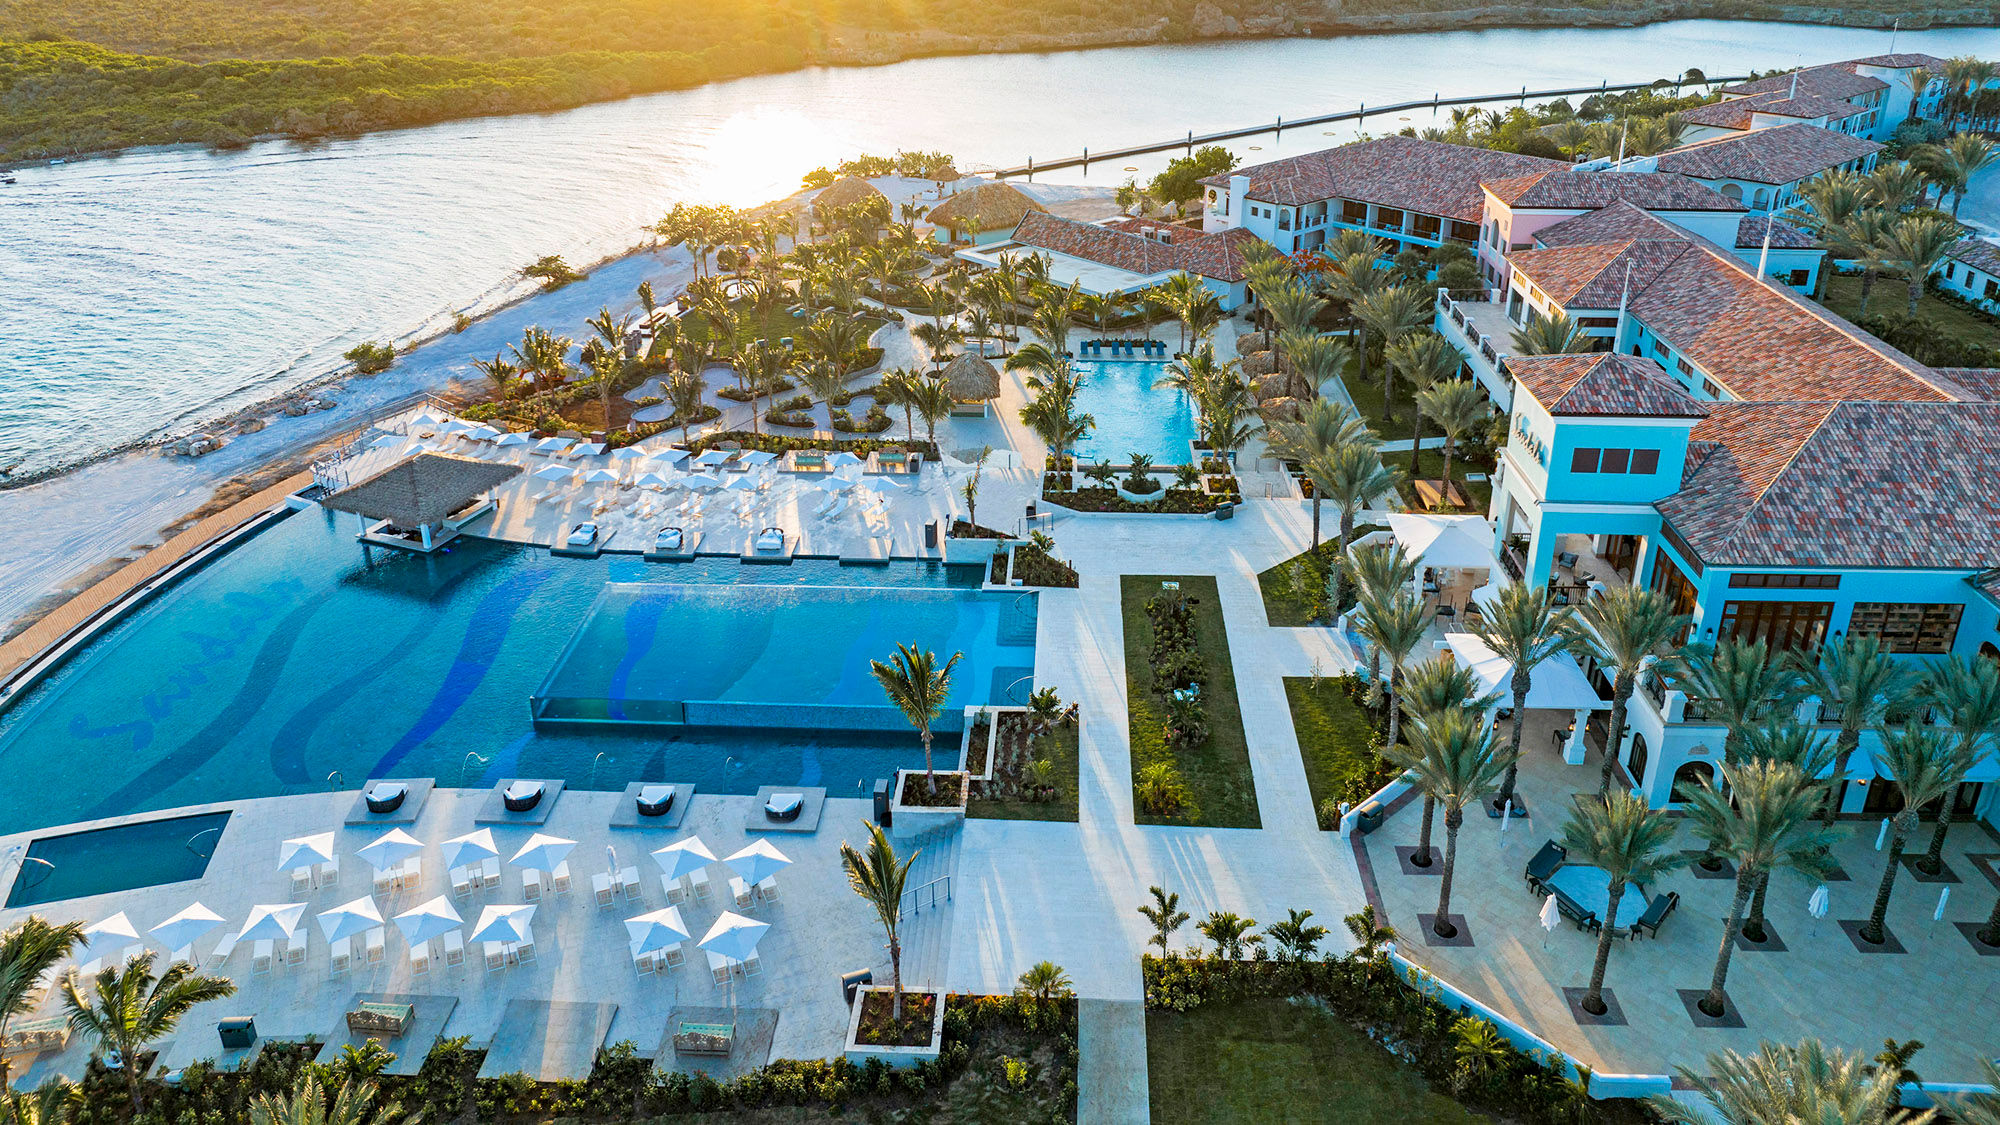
122,858
1133,416
783,657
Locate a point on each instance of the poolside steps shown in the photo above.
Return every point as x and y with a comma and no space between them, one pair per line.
690,547
927,927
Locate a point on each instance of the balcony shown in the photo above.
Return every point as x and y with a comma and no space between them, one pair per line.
1481,331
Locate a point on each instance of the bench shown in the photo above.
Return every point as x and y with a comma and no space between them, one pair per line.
387,1020
703,1038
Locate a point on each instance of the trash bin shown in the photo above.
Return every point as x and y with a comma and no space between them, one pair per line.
1369,818
237,1032
1226,512
850,983
882,815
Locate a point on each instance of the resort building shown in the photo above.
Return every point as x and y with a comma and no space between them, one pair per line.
1865,98
1517,208
1413,192
1762,169
1126,255
1973,273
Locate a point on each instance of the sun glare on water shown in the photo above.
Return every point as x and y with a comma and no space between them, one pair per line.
759,155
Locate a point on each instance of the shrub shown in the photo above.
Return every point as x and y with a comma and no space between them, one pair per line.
370,357
551,271
1161,792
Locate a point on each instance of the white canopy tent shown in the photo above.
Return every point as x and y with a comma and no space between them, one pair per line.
1557,685
1458,542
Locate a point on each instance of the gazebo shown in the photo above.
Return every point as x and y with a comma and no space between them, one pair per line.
413,501
1558,684
973,382
987,213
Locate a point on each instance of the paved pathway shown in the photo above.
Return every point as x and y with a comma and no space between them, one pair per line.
1111,1062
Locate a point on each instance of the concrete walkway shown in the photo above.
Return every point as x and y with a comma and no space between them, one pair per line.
1111,1063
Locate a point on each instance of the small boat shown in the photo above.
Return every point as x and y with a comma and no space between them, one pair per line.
6,175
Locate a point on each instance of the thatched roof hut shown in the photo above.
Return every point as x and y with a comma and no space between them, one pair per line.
1253,342
971,378
1276,385
994,206
846,192
1259,364
422,490
1280,410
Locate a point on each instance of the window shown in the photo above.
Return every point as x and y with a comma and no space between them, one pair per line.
1583,461
1284,220
1709,388
1799,277
1784,581
1781,625
1669,582
1388,218
1659,350
1353,212
1464,232
1606,323
1685,367
1615,461
1679,544
1642,461
1908,627
1425,226
1645,462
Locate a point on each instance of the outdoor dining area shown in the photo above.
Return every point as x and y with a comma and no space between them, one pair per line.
1582,894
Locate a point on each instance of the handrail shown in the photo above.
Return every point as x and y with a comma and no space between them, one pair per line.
928,893
1008,691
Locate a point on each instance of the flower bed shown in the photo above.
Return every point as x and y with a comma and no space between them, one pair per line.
1035,770
963,530
1034,567
997,572
1177,501
873,422
797,419
738,394
878,1027
917,793
1190,759
783,443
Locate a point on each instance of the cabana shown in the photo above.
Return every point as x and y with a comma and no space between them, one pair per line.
987,213
973,382
1557,685
420,503
1454,553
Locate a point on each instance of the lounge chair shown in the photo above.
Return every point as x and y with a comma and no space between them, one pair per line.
461,881
373,942
718,965
329,873
1586,920
698,882
559,878
295,948
668,540
771,539
768,889
584,534
673,956
523,795
260,957
784,806
386,796
1656,913
1544,864
628,885
341,955
740,891
301,882
496,956
531,886
676,890
420,959
524,953
454,949
223,949
655,800
600,887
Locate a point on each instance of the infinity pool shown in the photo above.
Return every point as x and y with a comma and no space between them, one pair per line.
1132,414
291,664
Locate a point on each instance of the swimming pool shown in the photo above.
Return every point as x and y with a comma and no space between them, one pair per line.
791,657
292,664
119,858
1132,414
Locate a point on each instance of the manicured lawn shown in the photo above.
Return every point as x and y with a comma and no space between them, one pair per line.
1843,296
1286,603
1481,491
1336,739
1367,398
1217,772
1058,748
777,322
1273,1061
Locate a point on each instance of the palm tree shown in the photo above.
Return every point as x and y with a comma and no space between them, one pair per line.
1043,982
1925,764
1430,689
1860,682
1324,426
127,1008
1395,624
1453,760
1832,199
1381,569
1391,314
878,876
1918,245
610,329
47,1105
1229,933
1166,916
824,380
1896,186
1981,1108
1352,476
29,951
1459,407
1524,628
1316,361
1628,626
1866,239
918,687
937,339
1293,306
1628,841
900,387
1370,934
1550,335
352,1103
685,393
932,402
1968,154
1764,823
1802,747
1967,692
1424,359
543,356
1806,1083
499,370
1736,683
1296,937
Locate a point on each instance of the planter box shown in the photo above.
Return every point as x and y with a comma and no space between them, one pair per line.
899,1057
915,820
966,551
1152,497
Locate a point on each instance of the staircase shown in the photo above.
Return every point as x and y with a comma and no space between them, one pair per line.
927,908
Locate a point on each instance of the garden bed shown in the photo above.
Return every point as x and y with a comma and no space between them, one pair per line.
1011,795
917,793
1212,773
963,530
1295,591
1176,501
878,1028
735,393
784,443
1339,742
1034,567
997,571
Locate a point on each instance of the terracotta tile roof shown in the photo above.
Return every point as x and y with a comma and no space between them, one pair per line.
1981,384
1849,484
1779,155
1784,236
1906,60
1602,384
1979,254
1832,80
1404,172
1122,245
1569,189
1593,276
1986,582
1729,113
1618,222
1811,107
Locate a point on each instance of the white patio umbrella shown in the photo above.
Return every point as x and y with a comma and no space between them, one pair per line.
543,852
412,449
587,449
702,482
683,857
1944,896
743,482
504,923
185,927
599,476
734,936
1816,904
713,457
885,484
305,851
834,482
511,438
389,849
759,862
473,847
422,923
655,931
425,418
454,427
1882,834
387,440
1551,916
843,459
628,453
758,457
553,472
270,923
116,926
482,433
653,480
670,456
349,919
553,445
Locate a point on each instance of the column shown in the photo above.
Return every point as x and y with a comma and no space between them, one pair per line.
1573,749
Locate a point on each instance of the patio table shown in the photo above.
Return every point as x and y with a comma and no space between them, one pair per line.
1590,888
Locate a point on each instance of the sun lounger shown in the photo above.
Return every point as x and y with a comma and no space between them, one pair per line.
768,889
600,886
628,884
386,796
224,948
420,959
698,883
183,955
301,882
561,878
329,873
531,886
1544,864
260,957
454,949
340,956
751,965
409,873
295,948
740,891
673,956
461,881
718,966
770,539
1656,913
646,963
496,956
784,806
655,800
385,880
489,872
524,952
523,795
676,890
373,942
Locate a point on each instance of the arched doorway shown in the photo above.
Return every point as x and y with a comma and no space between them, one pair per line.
1691,775
1635,764
1989,651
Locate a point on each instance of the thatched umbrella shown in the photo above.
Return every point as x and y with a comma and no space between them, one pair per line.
1275,386
1259,364
970,378
845,192
1253,342
1280,410
994,206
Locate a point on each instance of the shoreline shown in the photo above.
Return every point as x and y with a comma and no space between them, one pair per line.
1512,17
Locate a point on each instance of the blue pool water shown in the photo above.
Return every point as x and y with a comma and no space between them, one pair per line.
104,860
291,665
1132,414
796,657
